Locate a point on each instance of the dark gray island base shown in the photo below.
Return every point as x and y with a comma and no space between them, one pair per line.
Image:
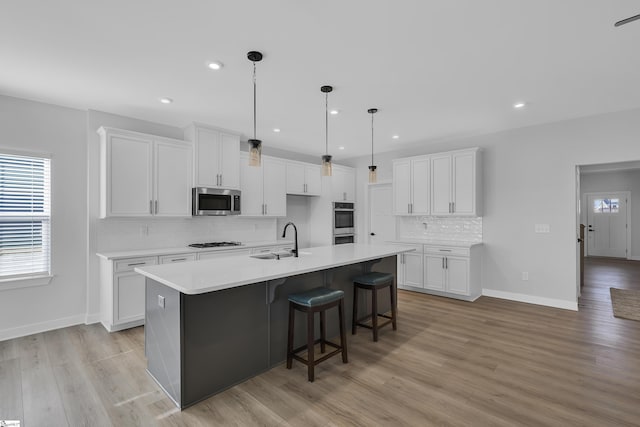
199,345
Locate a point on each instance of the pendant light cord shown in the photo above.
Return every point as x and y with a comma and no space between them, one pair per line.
326,123
254,100
371,139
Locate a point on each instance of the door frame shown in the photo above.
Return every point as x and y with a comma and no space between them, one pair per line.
368,205
627,212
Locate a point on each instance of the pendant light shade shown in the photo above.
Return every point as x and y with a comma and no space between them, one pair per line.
326,159
255,151
373,175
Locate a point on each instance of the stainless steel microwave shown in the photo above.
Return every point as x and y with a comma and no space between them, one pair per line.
214,201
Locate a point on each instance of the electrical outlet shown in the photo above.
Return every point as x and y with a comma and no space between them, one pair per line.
160,301
542,228
525,275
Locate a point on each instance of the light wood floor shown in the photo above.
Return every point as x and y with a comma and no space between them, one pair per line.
491,362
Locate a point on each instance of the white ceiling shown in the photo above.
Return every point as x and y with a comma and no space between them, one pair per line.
436,70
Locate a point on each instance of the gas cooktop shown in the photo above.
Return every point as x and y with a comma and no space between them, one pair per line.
214,244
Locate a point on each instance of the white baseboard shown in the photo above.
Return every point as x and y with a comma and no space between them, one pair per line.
90,319
634,258
531,299
35,328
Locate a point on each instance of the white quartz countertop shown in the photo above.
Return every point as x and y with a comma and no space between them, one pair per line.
113,255
453,243
197,277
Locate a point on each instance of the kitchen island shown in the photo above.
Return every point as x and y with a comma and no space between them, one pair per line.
214,323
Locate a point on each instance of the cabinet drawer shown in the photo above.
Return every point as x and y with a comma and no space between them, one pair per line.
222,254
131,263
167,259
446,251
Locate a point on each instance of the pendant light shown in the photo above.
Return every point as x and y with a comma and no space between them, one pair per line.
326,159
255,151
372,168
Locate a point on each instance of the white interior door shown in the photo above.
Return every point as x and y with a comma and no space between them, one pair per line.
382,223
607,224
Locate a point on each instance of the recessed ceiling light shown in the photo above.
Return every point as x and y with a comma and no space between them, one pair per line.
215,65
340,148
519,105
166,100
276,130
334,112
395,137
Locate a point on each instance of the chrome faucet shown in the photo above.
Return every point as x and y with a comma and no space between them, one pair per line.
295,232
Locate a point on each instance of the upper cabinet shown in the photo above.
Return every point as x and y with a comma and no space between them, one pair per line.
303,179
343,184
263,187
216,157
456,183
144,175
441,184
411,186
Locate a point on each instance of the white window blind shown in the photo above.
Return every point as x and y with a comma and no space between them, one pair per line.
25,216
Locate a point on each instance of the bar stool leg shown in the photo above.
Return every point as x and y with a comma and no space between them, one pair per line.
355,310
374,313
292,316
310,344
323,331
343,336
394,313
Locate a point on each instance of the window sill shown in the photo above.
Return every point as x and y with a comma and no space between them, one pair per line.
25,282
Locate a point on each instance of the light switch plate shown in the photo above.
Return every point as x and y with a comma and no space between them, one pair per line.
542,228
160,301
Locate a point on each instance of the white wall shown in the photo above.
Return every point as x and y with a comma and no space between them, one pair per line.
616,181
60,132
529,178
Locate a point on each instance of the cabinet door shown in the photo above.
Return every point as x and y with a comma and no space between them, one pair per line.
440,185
434,272
172,179
457,275
413,271
337,180
207,158
420,186
275,184
229,161
350,184
128,175
129,297
295,178
464,177
401,187
251,200
313,179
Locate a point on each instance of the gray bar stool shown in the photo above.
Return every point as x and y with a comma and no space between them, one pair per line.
373,282
311,302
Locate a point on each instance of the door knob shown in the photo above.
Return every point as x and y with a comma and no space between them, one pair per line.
373,234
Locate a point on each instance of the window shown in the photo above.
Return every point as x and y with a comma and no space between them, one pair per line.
606,205
25,217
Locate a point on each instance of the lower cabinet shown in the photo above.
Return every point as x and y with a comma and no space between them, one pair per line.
442,270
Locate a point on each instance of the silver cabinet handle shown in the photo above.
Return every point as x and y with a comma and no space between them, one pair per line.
446,263
178,259
344,196
443,262
411,207
156,206
408,207
136,263
266,209
221,180
444,250
453,207
151,207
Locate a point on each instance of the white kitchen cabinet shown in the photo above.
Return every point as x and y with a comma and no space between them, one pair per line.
411,186
343,184
122,292
453,271
144,175
216,157
410,269
170,259
263,187
456,183
304,179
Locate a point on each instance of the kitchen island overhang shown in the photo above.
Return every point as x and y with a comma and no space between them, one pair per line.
215,323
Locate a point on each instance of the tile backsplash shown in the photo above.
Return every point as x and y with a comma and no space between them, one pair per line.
439,228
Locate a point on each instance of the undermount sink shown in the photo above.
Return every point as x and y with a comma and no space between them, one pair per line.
277,255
